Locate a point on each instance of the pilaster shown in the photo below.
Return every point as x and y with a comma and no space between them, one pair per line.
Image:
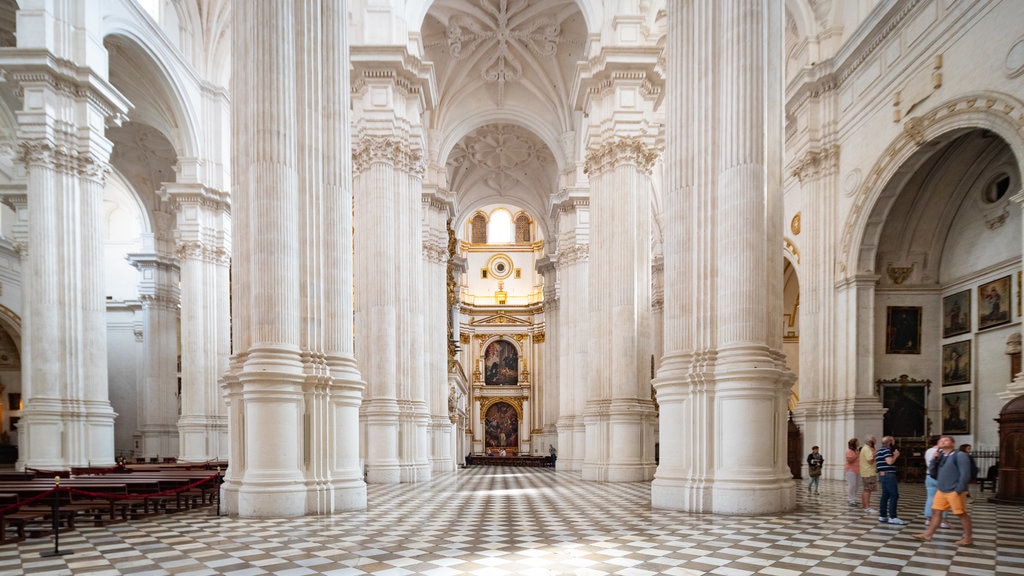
439,300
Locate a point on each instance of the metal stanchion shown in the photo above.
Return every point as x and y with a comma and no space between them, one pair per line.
56,524
220,482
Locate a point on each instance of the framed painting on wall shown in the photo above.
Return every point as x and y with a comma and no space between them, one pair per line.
994,303
903,330
956,413
956,314
906,412
956,363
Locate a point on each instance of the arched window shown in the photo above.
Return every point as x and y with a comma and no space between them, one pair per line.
499,229
479,229
522,229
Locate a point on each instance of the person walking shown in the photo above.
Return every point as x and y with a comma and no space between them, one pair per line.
868,473
885,465
930,482
953,475
852,471
552,455
814,462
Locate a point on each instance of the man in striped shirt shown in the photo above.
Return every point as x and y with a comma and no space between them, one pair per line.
885,463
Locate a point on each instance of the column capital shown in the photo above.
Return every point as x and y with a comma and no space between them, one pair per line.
370,149
818,161
619,151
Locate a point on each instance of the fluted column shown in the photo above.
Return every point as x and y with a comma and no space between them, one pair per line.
546,370
391,341
438,297
572,214
292,388
723,380
203,252
67,418
158,385
619,416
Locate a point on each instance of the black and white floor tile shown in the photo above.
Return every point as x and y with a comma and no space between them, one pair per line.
490,521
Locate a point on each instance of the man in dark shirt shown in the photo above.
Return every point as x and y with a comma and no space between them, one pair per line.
885,463
953,475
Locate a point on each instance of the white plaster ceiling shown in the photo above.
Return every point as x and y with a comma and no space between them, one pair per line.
504,72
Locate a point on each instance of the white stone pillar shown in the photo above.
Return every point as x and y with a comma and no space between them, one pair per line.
158,383
619,416
723,381
203,250
67,418
438,295
572,215
293,388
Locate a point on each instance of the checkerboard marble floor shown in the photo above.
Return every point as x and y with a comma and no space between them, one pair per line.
490,521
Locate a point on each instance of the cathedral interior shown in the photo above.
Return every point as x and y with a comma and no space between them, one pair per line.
343,247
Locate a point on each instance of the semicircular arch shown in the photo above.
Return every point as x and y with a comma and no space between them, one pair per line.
999,113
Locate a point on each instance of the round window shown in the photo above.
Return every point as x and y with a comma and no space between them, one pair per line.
997,188
500,266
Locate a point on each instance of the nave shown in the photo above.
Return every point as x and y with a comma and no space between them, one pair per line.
488,521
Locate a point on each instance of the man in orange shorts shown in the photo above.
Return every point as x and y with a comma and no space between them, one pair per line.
953,473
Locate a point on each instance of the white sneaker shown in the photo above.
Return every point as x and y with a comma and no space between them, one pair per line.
869,510
944,525
897,521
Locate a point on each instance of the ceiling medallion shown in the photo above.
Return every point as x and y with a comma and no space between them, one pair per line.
506,34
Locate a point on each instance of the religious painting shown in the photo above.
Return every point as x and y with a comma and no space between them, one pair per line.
956,413
956,363
903,330
501,428
994,303
14,400
956,314
501,364
907,410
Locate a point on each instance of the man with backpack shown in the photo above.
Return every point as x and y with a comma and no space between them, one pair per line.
952,474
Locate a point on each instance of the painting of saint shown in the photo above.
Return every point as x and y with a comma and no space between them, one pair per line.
501,364
501,426
956,314
994,303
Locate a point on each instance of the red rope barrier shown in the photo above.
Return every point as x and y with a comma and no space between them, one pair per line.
170,492
36,498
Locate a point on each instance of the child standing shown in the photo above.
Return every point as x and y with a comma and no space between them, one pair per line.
814,462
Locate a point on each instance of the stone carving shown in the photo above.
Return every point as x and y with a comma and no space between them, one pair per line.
815,163
371,149
1013,343
501,30
621,151
794,224
899,274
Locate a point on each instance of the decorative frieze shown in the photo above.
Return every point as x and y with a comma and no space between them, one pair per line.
621,151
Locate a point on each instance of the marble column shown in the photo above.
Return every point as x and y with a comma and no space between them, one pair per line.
723,386
158,383
571,212
67,419
389,97
293,389
203,251
438,208
619,416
